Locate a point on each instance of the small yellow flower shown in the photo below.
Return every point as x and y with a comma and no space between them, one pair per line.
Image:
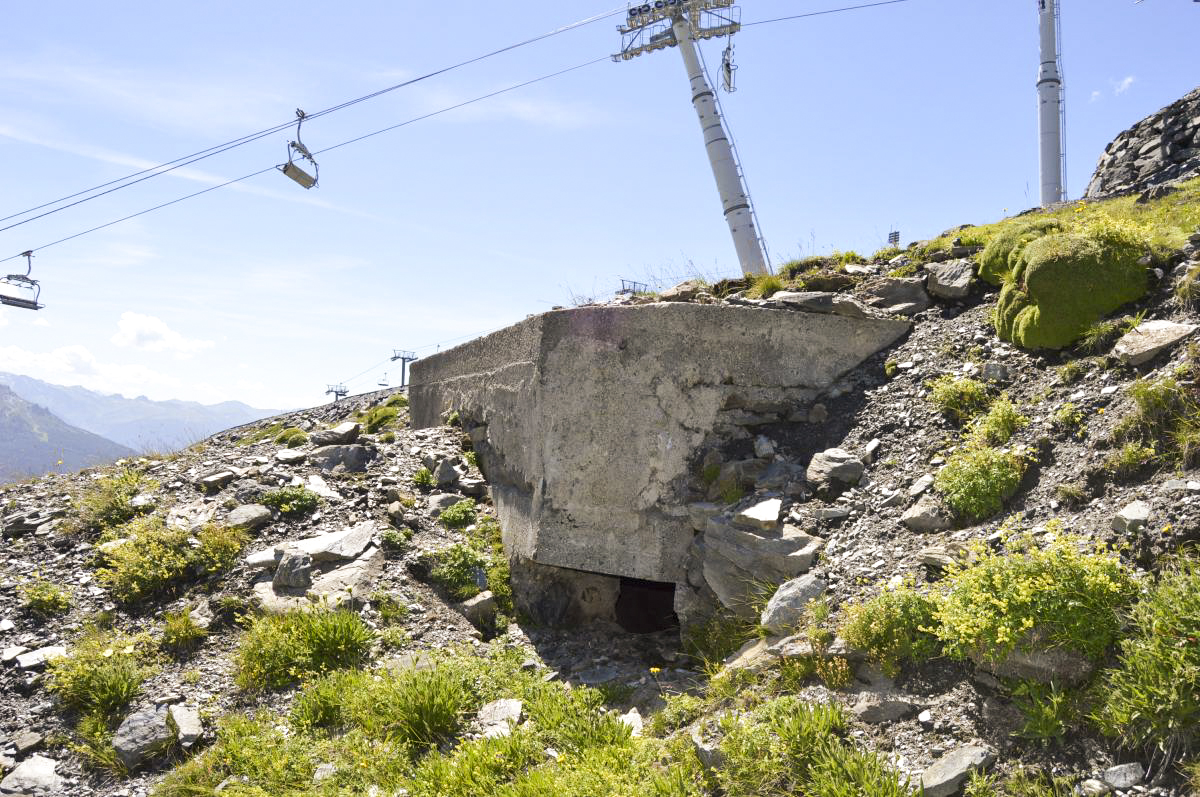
655,670
1100,411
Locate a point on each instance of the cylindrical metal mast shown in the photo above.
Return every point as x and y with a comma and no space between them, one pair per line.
1049,88
735,200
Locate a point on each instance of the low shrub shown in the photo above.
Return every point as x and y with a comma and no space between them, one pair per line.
1129,460
43,598
101,673
1151,699
1100,336
292,502
1187,290
1049,711
107,503
260,434
1165,415
292,437
959,398
458,570
149,559
977,480
892,628
1057,593
398,400
999,424
277,650
1067,418
459,515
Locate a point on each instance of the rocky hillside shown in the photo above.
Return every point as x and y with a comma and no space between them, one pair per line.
998,594
1162,148
138,423
36,441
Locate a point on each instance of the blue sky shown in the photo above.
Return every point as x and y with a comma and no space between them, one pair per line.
915,116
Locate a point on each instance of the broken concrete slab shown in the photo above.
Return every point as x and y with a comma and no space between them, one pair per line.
561,390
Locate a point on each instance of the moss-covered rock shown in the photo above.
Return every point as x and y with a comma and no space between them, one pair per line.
1062,283
1000,256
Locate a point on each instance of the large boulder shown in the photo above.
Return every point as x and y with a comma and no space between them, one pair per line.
1063,283
348,458
142,735
786,609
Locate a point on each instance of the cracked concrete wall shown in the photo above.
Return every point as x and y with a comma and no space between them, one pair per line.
586,419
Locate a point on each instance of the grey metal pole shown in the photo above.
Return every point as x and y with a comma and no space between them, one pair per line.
735,200
1049,88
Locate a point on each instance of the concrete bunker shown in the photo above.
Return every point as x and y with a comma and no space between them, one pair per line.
587,421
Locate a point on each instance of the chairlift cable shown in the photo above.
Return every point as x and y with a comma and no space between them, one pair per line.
821,13
327,149
155,171
426,116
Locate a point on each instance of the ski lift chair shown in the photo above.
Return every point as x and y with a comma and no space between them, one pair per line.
25,286
297,148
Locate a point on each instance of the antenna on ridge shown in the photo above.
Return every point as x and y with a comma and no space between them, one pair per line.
1051,113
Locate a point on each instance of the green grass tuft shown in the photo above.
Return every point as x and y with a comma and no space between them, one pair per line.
278,650
148,559
45,599
892,628
292,502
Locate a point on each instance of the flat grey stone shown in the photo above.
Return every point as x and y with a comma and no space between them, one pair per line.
341,434
249,517
26,742
920,485
294,570
1132,517
1034,660
1124,776
499,717
899,295
927,514
763,515
834,465
36,659
947,775
215,481
1092,788
633,719
819,302
35,776
290,456
318,485
10,653
142,735
785,610
439,501
480,610
187,724
348,458
1144,343
951,279
876,708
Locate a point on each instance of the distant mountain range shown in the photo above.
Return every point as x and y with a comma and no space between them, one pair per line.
33,441
139,424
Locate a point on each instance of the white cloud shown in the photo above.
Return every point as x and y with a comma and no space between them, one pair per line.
531,110
1122,86
76,365
148,333
1097,95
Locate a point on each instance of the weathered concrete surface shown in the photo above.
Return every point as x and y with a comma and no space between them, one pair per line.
585,419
